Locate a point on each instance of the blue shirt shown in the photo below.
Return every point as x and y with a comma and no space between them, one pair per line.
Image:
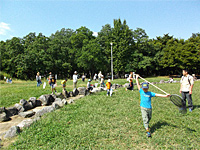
146,98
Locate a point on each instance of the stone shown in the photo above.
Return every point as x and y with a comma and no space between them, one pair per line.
45,110
82,90
19,108
64,101
22,101
56,105
59,95
27,114
126,85
11,111
25,123
114,86
58,100
2,109
65,93
13,131
35,103
27,106
162,81
75,92
46,99
70,101
32,99
70,94
4,117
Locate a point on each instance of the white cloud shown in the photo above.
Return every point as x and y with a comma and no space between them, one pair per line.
4,27
95,34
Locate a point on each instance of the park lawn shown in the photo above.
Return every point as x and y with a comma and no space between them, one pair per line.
100,122
11,94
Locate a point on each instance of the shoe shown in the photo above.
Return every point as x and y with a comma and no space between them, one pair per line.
52,93
148,133
190,109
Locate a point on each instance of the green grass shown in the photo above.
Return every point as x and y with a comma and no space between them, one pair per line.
13,93
101,122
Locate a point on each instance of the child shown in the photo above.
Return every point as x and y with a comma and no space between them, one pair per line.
130,87
145,103
89,86
109,89
102,81
52,82
64,83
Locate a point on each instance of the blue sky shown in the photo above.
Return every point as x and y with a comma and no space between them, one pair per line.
179,18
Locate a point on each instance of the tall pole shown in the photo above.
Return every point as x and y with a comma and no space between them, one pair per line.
111,61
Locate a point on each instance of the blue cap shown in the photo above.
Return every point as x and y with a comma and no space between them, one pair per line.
145,85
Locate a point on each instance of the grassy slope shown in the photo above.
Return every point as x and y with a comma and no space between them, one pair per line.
101,122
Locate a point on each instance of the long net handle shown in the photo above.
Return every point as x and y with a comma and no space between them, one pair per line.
153,85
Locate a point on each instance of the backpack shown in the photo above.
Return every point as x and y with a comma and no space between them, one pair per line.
188,77
52,78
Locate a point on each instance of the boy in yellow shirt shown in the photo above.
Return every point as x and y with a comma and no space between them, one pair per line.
64,84
109,89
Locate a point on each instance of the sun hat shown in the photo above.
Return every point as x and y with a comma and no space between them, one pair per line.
75,71
108,80
145,85
89,80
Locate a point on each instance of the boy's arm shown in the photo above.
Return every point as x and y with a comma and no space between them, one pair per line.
161,95
137,82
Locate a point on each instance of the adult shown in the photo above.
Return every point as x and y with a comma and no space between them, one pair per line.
187,83
95,77
38,79
83,78
99,75
75,79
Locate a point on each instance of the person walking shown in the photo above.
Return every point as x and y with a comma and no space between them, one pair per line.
38,79
145,103
187,84
109,87
75,79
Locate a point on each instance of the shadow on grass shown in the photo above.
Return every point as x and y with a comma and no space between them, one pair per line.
196,106
159,125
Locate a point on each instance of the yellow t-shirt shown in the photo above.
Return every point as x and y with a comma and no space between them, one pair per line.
63,82
108,85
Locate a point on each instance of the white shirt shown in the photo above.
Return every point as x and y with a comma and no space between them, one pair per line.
185,83
75,78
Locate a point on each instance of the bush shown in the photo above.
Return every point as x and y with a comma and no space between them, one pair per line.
3,74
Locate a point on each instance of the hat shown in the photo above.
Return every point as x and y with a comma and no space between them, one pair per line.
108,80
145,85
75,71
89,80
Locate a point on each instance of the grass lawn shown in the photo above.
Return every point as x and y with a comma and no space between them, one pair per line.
101,122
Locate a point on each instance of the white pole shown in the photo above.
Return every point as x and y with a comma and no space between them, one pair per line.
111,61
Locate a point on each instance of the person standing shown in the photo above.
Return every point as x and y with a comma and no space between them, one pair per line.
75,79
52,82
38,79
109,87
99,75
83,78
187,84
